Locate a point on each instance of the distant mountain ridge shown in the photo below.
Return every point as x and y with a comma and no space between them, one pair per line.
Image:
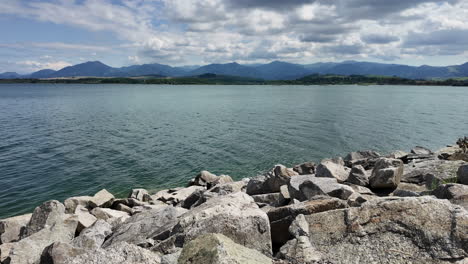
276,70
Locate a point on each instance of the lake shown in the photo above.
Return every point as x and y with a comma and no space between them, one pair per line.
58,141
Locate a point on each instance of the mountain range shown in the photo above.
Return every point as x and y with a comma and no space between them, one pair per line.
276,70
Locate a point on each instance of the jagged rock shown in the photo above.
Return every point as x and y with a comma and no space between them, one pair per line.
107,213
148,207
462,174
59,253
178,196
325,186
431,172
294,184
386,173
418,150
305,168
234,215
29,249
358,176
130,202
140,195
360,189
208,180
139,227
333,168
447,152
356,199
299,227
93,237
398,154
285,193
47,214
85,218
11,228
404,193
103,198
299,251
124,208
393,230
230,187
456,193
272,199
119,253
171,258
271,182
219,249
365,158
282,217
72,202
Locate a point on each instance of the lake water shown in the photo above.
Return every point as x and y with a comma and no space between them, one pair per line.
58,141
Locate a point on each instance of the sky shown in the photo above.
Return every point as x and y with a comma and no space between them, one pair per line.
53,34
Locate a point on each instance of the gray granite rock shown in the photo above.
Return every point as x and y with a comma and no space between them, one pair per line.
387,173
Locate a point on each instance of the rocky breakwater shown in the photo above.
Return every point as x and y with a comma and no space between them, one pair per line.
364,208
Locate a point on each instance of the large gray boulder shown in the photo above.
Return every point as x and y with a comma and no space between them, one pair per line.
455,193
47,214
219,249
119,253
418,150
59,253
139,227
234,215
358,176
272,181
305,168
11,228
230,187
325,186
271,199
333,168
177,196
386,173
294,186
107,214
72,202
85,218
208,180
140,195
93,237
462,174
393,230
431,173
103,198
365,158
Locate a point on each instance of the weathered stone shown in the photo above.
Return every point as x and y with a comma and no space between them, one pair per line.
47,214
234,215
365,158
357,199
103,198
130,202
85,218
171,258
119,253
140,195
285,193
230,187
447,152
107,213
272,199
333,168
11,228
271,182
325,186
299,251
398,154
59,253
299,227
456,193
358,176
294,184
140,227
404,193
431,172
396,230
29,249
93,237
178,196
73,202
421,151
219,249
122,207
462,174
208,180
5,251
305,168
386,173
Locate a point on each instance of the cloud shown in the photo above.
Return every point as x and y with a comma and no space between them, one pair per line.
379,39
38,65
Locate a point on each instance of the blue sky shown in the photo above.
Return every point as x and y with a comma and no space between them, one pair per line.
57,33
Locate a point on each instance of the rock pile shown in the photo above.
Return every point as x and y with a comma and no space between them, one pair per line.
365,208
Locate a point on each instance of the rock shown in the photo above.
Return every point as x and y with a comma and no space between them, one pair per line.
208,180
397,230
85,219
120,253
171,258
462,174
299,227
103,198
271,182
456,193
398,154
176,197
404,193
431,172
230,187
140,195
73,202
418,150
124,208
447,152
47,214
234,215
386,173
107,213
305,168
300,251
59,253
333,168
130,202
358,176
140,227
325,186
93,237
365,158
5,251
11,228
285,193
295,183
219,249
272,199
356,199
282,217
29,249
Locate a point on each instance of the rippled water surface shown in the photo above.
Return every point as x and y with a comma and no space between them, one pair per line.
58,141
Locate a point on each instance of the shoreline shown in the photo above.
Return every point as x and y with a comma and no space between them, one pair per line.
281,216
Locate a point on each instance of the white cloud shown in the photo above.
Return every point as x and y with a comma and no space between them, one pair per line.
38,65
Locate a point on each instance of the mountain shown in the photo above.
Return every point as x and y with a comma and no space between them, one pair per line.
9,75
42,74
90,68
278,70
233,69
150,69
